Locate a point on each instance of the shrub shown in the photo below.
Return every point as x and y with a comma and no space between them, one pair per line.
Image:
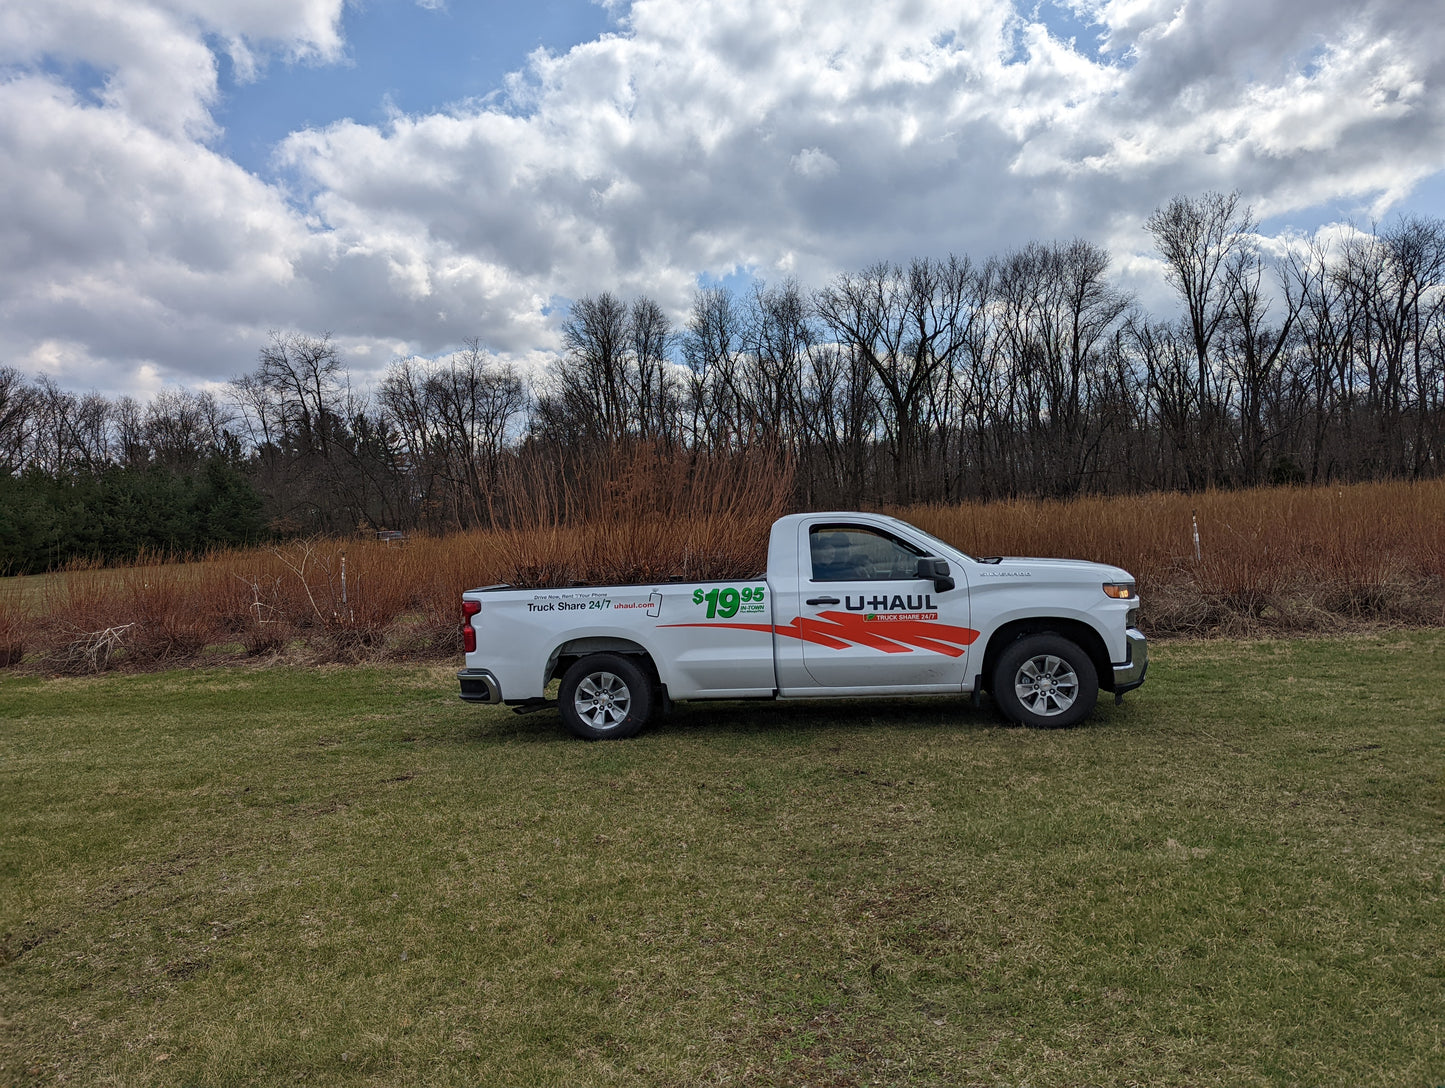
13,629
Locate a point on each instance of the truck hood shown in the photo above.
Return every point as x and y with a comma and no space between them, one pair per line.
1048,570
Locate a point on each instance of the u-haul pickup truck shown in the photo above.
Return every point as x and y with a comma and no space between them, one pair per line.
851,605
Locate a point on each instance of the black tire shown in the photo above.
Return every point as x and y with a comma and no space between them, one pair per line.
605,697
1045,681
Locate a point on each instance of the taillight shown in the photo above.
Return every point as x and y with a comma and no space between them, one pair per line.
469,633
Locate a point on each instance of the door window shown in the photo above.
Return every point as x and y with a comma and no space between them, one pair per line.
855,554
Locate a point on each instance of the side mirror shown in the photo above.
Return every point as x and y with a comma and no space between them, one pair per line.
932,567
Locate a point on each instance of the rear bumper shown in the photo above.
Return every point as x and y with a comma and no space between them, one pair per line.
479,686
1130,674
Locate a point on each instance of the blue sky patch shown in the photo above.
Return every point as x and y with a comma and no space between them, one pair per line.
399,57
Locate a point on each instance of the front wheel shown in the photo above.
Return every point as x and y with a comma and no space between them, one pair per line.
605,697
1045,680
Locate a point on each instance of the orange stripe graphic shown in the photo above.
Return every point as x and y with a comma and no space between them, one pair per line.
839,630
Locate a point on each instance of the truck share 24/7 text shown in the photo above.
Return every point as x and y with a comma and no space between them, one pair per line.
851,605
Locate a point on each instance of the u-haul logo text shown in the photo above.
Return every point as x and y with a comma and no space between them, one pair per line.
899,602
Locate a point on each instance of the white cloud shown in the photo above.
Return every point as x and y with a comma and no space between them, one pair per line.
792,138
814,163
153,56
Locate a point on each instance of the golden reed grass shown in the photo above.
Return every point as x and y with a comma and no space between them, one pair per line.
1270,561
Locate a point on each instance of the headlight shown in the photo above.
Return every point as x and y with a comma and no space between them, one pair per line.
1120,591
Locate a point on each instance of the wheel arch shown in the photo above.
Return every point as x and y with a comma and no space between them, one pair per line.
562,658
1076,631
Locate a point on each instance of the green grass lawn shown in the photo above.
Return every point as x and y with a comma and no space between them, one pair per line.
347,876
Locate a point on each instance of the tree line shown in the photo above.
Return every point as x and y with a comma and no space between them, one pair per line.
1027,374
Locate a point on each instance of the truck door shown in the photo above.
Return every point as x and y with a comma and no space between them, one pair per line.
865,618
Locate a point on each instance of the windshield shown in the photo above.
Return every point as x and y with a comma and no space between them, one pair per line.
940,547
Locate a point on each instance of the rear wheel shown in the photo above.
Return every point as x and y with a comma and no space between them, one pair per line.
1045,680
605,697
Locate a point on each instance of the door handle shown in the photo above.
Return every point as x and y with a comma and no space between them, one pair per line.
822,600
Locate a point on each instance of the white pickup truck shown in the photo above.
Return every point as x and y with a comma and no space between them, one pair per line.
851,605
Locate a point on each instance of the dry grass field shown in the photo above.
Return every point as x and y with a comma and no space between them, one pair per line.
1271,561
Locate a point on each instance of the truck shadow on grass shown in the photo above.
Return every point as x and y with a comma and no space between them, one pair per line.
760,717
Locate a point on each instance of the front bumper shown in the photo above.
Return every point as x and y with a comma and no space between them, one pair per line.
1130,674
479,686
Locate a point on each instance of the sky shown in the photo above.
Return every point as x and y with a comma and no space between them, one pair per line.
180,177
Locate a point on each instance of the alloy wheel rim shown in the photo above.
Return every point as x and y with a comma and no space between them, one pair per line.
603,700
1046,685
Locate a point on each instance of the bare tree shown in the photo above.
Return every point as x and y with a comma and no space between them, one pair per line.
1198,237
1322,380
590,389
478,403
69,433
841,416
711,347
907,325
181,428
294,407
616,379
1254,358
779,337
1057,308
128,440
305,376
1172,399
1408,301
17,420
651,384
404,398
454,421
